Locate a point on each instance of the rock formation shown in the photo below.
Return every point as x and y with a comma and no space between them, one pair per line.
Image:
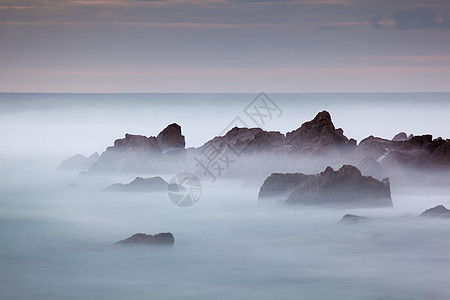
343,188
78,162
318,137
139,184
160,239
315,141
439,211
141,153
171,139
348,218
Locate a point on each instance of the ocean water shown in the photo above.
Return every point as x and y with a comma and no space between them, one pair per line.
57,231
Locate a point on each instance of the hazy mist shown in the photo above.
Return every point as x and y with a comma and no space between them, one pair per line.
57,227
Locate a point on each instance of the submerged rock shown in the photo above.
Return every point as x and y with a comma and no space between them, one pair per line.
160,239
349,218
346,187
439,211
78,162
139,184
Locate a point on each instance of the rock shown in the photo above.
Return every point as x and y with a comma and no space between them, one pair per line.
171,139
439,211
400,137
247,141
130,154
319,136
78,162
343,188
377,156
160,239
348,218
280,186
139,184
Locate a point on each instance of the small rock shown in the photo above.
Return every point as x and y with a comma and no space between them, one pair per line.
160,239
439,211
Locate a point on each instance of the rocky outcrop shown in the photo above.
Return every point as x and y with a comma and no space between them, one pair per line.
247,141
279,186
78,162
378,156
401,136
139,184
348,218
345,187
318,137
171,139
160,239
315,141
140,153
439,211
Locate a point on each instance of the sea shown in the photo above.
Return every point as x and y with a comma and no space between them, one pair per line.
58,227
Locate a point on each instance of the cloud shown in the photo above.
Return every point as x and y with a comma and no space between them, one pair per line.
418,18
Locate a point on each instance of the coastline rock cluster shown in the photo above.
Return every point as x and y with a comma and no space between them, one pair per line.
346,187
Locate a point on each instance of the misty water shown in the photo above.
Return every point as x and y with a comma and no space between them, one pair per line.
57,228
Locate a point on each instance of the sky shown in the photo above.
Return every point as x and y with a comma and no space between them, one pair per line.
139,46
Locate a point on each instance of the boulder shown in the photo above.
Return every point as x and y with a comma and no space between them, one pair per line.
279,186
171,139
439,211
318,137
160,239
346,187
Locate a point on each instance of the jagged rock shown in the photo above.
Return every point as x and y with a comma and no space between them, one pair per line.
78,162
280,186
160,239
343,188
400,137
378,156
416,152
139,184
348,218
132,153
239,141
171,139
319,136
317,139
439,211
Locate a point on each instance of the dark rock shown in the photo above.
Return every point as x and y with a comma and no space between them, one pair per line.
132,153
171,139
439,211
343,188
280,186
160,239
400,137
319,136
348,218
373,154
139,184
78,162
239,141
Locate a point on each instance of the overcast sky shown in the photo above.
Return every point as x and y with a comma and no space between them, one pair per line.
224,46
